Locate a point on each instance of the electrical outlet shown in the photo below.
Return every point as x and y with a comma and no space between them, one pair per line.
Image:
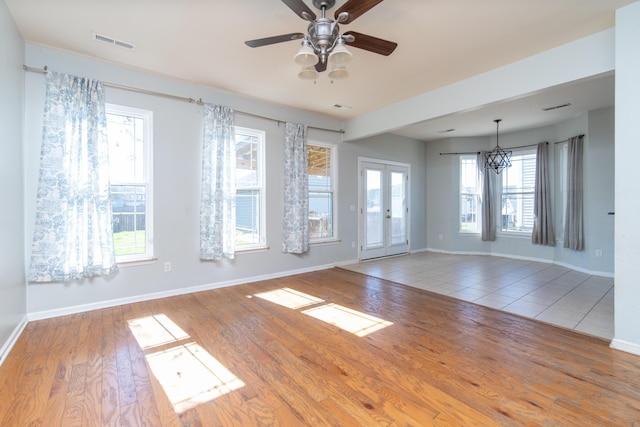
598,253
353,245
167,266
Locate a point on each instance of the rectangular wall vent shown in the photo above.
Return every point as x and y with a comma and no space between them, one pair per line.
112,41
555,107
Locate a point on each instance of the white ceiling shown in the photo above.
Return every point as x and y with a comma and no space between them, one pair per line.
439,42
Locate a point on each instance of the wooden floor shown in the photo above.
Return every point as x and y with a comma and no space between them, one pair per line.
270,353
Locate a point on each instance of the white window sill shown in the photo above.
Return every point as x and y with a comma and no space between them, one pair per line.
136,262
325,242
516,234
252,250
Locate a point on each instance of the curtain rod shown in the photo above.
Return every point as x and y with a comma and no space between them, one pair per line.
478,152
198,101
507,148
566,140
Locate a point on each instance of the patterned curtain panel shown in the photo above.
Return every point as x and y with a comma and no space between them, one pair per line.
295,223
73,237
488,216
573,222
218,198
543,223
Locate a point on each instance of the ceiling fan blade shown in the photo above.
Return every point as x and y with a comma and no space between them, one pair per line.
275,39
355,8
320,66
370,43
301,9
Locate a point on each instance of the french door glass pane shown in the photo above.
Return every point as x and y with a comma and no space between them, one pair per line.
398,210
375,221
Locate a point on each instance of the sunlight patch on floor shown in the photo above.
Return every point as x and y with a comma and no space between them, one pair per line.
190,376
356,322
156,330
289,298
187,372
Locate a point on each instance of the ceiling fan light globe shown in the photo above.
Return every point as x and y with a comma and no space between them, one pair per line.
340,55
308,72
338,72
305,56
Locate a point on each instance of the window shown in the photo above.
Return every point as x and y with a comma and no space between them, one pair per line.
469,195
250,225
322,177
129,132
517,192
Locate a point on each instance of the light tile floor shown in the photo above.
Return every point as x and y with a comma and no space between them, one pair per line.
545,292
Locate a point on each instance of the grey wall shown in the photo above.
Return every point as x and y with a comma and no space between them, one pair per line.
443,192
176,152
12,280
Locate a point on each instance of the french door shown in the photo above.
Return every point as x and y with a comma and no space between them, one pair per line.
384,209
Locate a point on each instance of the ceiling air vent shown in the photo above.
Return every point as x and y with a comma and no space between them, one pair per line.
446,130
556,107
112,41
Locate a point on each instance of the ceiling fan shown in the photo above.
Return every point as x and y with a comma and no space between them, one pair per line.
323,41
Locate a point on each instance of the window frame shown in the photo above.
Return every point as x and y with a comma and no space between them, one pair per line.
261,188
333,171
500,192
147,178
477,229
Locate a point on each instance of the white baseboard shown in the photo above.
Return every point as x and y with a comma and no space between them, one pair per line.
47,314
533,259
343,263
8,345
629,347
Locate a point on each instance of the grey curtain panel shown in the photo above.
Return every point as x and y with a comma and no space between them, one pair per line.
543,222
573,223
488,212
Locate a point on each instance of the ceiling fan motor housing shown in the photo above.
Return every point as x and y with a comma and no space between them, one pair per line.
326,4
323,33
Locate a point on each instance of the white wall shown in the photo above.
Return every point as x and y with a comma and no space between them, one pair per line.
177,138
12,279
443,194
627,203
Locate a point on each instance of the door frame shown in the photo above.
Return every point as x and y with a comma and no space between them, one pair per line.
361,221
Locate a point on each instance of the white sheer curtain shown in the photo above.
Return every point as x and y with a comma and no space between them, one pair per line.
295,223
543,223
573,223
487,204
218,192
73,234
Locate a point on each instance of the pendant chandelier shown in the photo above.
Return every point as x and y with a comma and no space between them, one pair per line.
497,159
